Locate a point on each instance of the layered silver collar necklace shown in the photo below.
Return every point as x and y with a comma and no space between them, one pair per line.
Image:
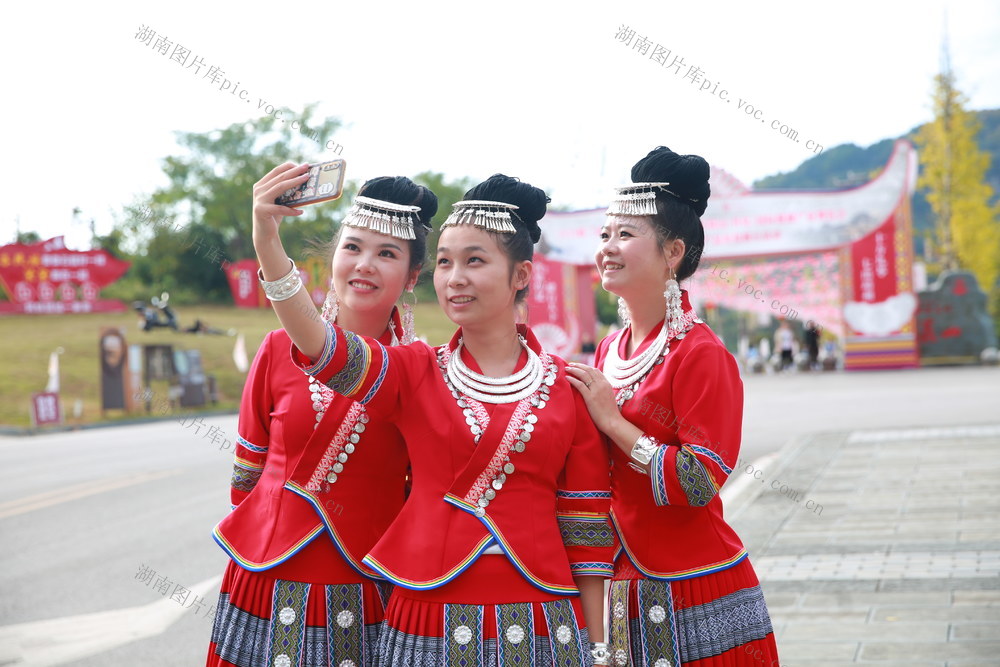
486,389
626,375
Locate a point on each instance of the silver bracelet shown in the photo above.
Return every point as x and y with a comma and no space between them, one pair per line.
600,653
284,287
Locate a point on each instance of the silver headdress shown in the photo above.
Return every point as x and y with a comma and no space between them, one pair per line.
384,217
493,216
639,199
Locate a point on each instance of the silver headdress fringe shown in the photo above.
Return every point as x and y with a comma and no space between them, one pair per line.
638,199
493,216
384,217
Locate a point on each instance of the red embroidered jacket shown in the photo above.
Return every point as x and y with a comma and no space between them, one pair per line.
282,499
549,515
670,522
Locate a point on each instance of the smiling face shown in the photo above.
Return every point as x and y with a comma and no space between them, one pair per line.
630,259
475,280
370,270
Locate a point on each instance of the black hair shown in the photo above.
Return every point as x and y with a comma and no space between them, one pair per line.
678,212
401,190
531,205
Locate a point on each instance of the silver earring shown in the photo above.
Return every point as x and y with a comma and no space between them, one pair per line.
331,306
675,311
409,329
623,315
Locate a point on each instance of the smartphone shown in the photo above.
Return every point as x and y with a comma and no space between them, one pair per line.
325,182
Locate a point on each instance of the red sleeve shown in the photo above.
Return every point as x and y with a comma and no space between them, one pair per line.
583,499
362,368
708,400
253,431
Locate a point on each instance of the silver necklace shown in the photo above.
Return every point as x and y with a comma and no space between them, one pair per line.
522,424
626,375
507,389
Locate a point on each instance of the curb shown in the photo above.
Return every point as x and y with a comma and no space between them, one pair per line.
28,431
738,494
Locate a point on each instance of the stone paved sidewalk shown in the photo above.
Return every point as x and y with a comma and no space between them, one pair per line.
879,547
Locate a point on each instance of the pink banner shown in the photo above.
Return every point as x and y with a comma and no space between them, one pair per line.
561,308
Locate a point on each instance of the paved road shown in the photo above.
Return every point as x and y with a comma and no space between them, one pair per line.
881,547
81,513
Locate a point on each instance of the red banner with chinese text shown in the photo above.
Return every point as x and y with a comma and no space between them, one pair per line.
48,278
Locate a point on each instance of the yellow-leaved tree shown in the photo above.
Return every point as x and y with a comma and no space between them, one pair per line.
967,227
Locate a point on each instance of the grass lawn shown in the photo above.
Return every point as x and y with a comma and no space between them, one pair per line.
28,340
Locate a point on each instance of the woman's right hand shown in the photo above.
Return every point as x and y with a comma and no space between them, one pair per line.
266,214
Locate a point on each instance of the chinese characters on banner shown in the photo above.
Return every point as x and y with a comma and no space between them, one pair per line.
47,278
45,409
561,308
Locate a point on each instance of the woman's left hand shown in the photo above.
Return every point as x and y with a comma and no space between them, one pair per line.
597,393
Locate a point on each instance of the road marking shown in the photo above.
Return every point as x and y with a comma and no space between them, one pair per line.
76,491
61,640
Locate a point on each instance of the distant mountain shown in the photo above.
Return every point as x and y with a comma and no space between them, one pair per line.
849,165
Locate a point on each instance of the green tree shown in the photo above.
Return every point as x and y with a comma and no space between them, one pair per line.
967,227
180,237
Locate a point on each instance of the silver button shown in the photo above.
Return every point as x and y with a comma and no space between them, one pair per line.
349,448
462,634
657,614
359,428
518,446
497,484
490,494
286,616
345,619
355,438
282,660
342,457
331,477
515,634
564,634
508,468
338,467
619,610
662,662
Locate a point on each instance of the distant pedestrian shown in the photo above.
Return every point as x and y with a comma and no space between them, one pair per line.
812,344
784,342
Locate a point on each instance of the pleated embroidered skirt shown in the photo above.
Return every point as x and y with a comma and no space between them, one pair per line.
490,616
715,620
266,621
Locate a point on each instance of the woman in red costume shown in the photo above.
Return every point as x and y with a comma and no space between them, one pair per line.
317,480
500,552
669,396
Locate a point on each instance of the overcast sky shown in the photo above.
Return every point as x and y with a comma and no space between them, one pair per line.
539,90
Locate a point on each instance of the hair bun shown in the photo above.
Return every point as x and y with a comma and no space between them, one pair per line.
530,201
687,174
401,190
